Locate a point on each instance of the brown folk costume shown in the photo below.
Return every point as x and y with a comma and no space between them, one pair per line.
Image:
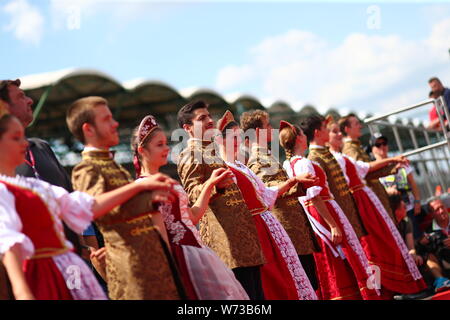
353,149
287,209
227,226
138,264
338,186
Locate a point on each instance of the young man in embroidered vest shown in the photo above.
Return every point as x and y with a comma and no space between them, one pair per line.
227,226
317,133
287,208
138,262
350,127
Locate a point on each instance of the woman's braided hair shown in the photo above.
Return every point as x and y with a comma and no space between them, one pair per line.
288,138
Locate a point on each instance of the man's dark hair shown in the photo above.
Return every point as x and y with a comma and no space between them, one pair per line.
344,122
394,201
4,91
310,124
434,79
185,114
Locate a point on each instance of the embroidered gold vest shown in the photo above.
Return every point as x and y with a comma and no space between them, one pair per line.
138,267
287,208
227,226
353,149
338,186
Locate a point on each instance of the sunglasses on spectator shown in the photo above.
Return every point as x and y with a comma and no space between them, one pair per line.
380,144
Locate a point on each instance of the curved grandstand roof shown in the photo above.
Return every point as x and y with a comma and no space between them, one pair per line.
130,101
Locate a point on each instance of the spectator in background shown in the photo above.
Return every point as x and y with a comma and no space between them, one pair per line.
404,226
401,183
436,241
432,114
439,90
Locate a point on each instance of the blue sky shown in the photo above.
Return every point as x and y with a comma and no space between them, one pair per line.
347,55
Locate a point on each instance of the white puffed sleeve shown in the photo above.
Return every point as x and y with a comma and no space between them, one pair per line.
361,167
11,226
269,194
305,166
75,208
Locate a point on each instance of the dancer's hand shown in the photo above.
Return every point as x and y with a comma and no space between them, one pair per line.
336,235
98,259
417,259
307,178
163,196
400,160
157,181
218,175
226,181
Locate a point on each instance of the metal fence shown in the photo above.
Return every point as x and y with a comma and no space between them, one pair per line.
428,150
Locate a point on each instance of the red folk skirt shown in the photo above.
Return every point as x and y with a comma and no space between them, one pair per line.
339,279
276,279
382,250
45,280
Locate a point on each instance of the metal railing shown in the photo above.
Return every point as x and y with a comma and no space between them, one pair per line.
433,158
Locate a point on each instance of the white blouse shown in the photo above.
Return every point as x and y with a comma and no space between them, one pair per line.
303,166
72,208
269,195
362,168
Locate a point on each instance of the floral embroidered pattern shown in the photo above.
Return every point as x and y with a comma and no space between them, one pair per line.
184,211
175,228
304,288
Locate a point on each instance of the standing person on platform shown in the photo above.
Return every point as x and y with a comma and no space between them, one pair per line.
283,277
204,275
351,127
40,161
402,182
383,245
438,90
287,209
227,226
34,250
342,266
139,265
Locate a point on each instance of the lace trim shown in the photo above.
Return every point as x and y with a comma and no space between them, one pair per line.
352,239
395,234
184,211
304,288
175,228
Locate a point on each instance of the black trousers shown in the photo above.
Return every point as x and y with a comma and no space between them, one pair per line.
250,279
309,265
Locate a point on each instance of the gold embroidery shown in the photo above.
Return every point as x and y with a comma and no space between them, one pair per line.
292,202
230,193
139,219
234,202
356,188
111,171
118,181
140,230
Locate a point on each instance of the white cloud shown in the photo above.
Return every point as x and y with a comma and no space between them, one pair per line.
361,72
27,22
